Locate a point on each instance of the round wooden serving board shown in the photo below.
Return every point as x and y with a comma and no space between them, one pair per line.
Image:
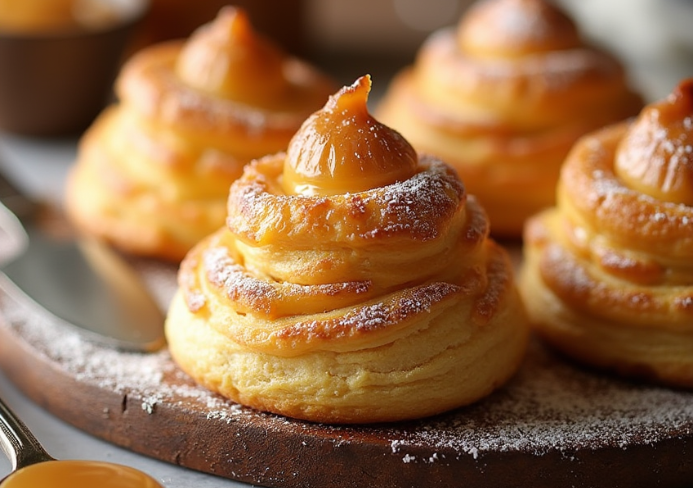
553,425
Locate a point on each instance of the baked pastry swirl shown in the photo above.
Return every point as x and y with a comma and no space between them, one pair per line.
608,273
502,98
353,282
153,172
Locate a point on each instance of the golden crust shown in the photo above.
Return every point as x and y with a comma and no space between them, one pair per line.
607,275
153,172
348,307
505,108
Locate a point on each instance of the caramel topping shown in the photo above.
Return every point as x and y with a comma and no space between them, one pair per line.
656,155
514,28
229,59
343,149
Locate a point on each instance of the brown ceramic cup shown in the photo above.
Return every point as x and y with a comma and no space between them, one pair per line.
54,83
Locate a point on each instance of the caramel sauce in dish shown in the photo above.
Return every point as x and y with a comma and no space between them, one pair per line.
33,467
79,474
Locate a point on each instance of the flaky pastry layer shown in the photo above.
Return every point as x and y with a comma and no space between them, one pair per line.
411,353
631,330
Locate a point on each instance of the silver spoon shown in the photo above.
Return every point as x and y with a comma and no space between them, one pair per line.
81,282
32,466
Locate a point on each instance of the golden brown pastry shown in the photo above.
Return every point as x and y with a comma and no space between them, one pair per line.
153,172
502,98
354,282
608,273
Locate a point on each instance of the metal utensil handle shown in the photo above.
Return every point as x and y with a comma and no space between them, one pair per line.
17,441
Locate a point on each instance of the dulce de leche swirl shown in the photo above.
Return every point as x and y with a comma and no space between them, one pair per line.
608,276
502,97
353,282
153,172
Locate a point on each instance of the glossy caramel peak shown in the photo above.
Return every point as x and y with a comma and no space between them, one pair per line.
656,155
343,149
514,28
229,59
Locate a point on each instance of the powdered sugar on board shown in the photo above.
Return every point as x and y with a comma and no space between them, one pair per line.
550,405
145,376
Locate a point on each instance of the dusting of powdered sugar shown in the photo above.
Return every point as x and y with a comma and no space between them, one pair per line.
553,405
418,208
550,404
418,204
152,378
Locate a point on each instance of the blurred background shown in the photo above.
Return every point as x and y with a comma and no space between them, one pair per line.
352,37
653,38
346,38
